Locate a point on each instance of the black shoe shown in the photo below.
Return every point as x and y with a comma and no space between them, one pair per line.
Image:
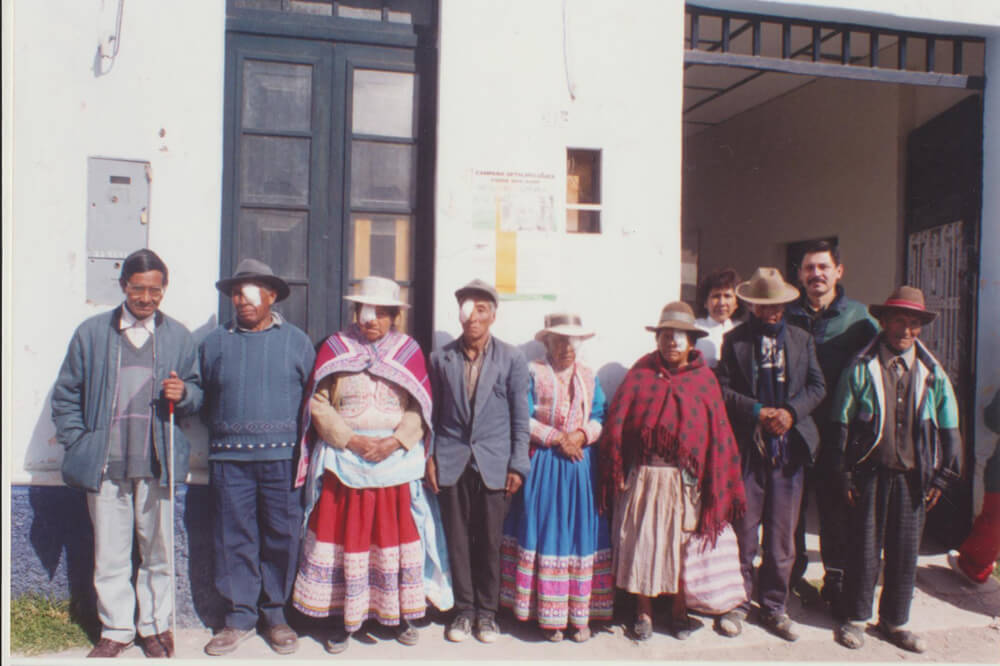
487,630
643,627
780,625
902,638
459,629
682,627
408,634
336,642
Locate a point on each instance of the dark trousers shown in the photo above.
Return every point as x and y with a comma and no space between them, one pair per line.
473,523
774,496
258,519
833,527
886,522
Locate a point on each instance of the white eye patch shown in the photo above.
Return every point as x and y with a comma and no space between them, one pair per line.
251,293
464,312
576,343
681,340
367,314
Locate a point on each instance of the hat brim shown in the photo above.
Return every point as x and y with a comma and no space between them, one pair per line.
374,300
679,326
788,295
274,282
567,330
925,316
469,291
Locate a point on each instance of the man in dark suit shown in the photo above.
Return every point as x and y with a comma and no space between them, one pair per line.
480,454
771,382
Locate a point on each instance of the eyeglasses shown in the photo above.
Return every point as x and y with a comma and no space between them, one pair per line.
153,292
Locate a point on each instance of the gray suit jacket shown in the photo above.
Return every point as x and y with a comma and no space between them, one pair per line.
806,387
497,435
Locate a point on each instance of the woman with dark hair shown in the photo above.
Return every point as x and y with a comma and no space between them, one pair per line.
374,546
717,296
669,457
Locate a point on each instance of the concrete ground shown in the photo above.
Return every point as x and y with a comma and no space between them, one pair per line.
960,622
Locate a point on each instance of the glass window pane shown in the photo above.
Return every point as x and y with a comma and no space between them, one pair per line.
383,103
276,237
382,174
583,176
383,246
370,10
277,95
295,308
320,7
274,170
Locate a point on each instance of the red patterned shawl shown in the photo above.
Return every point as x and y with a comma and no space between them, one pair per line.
677,414
396,357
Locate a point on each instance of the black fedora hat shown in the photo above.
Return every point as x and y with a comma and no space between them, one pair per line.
254,270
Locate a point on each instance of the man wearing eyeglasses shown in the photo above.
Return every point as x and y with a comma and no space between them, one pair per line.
110,405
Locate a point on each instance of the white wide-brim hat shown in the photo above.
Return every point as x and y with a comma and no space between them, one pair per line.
564,323
374,290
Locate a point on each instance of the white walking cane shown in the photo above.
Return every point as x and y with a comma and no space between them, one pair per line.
173,572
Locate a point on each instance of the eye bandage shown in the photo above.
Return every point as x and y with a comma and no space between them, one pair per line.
367,314
464,312
251,293
576,343
681,340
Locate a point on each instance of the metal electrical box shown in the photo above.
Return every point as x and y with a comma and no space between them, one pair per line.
117,222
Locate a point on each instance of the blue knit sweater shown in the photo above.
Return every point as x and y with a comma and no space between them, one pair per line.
253,385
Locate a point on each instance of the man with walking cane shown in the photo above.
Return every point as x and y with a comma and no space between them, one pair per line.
111,406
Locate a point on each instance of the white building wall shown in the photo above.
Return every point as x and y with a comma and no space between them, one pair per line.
504,103
167,78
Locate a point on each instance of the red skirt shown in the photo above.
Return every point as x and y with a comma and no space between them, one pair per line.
362,557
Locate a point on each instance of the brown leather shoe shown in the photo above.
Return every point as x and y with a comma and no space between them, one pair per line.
282,639
108,649
159,646
227,640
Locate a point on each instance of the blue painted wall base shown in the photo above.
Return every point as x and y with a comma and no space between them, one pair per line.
52,552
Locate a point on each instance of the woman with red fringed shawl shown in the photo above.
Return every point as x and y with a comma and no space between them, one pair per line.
669,464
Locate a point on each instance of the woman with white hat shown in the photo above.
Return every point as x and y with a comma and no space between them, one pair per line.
670,466
555,558
373,548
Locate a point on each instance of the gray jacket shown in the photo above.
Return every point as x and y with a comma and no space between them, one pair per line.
84,394
497,436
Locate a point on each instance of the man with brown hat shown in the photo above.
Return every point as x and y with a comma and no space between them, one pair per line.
899,449
772,382
255,369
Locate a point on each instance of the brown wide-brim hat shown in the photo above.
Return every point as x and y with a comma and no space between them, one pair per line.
478,288
254,270
564,323
680,317
766,287
908,299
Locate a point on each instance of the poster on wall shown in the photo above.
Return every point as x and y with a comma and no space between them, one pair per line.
514,223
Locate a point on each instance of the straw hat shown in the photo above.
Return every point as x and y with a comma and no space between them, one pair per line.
254,270
905,298
374,290
564,323
680,317
766,287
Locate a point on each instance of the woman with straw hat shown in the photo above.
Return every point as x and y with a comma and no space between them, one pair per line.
555,555
374,547
669,457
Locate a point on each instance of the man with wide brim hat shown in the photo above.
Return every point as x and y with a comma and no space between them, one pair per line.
772,382
254,271
255,369
566,324
378,291
680,317
766,287
899,440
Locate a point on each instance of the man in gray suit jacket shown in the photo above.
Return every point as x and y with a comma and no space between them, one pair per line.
479,456
771,382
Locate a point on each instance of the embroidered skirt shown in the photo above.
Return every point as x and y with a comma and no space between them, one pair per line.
653,519
555,558
361,556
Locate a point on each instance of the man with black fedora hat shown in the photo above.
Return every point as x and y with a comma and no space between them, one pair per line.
255,369
480,454
771,381
898,451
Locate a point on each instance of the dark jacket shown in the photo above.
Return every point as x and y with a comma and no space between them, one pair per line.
840,331
84,394
737,378
497,436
